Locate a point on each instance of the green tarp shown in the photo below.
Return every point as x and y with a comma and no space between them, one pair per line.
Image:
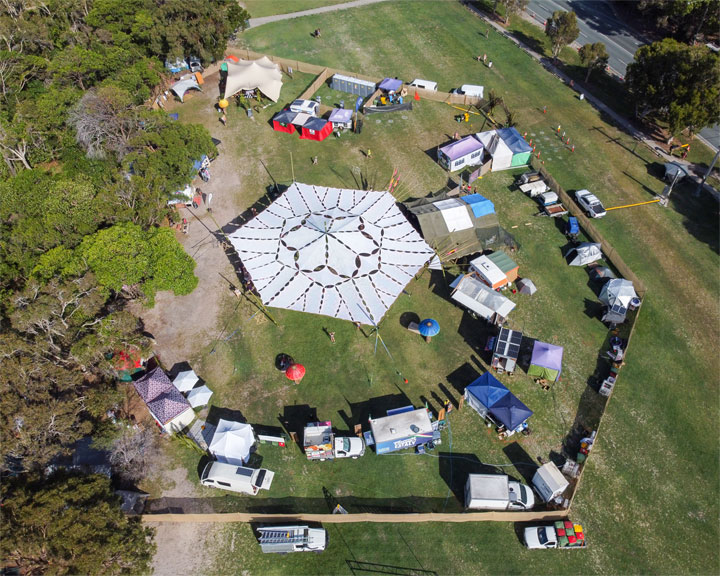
542,372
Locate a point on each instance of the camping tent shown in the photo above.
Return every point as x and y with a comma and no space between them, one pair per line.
461,153
283,121
481,299
506,264
521,150
341,253
502,156
183,86
341,118
262,74
546,361
526,286
584,253
232,442
600,273
199,396
316,129
167,406
488,272
617,291
453,234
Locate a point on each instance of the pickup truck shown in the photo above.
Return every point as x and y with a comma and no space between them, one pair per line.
320,443
551,205
590,204
562,534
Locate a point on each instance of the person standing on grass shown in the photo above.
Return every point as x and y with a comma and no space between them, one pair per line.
332,337
223,119
369,154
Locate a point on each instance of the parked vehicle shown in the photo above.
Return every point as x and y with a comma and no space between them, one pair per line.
470,90
534,188
195,64
549,482
320,443
497,492
528,177
305,106
424,84
236,478
572,228
590,203
561,534
286,539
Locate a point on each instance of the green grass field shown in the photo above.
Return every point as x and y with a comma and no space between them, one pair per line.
649,495
260,8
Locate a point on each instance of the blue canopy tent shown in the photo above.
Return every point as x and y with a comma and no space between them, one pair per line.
489,397
510,412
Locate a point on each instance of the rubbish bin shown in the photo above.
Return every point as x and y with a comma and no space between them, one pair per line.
250,112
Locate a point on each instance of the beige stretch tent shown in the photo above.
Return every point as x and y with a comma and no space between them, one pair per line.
262,74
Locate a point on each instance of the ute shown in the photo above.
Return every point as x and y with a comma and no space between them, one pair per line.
590,204
561,534
320,443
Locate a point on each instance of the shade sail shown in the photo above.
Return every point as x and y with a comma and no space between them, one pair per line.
341,253
546,361
232,442
262,74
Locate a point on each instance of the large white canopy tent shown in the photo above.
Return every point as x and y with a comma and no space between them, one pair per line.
341,253
262,74
232,442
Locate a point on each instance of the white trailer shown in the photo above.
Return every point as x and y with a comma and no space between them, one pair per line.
497,492
286,539
549,482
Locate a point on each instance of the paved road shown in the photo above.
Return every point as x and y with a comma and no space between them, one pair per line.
255,22
598,23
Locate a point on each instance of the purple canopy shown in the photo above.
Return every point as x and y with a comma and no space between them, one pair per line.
340,115
461,148
390,85
547,355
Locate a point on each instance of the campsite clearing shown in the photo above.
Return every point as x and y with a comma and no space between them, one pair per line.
661,425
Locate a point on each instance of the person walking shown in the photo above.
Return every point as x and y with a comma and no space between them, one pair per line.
369,154
223,119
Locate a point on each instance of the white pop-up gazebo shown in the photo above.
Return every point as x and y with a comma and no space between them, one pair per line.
341,253
232,442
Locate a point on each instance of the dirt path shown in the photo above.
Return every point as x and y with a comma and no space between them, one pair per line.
255,22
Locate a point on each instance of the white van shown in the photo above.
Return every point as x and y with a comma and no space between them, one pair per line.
236,478
424,84
470,90
305,106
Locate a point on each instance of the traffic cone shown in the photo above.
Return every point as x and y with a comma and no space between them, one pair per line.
417,96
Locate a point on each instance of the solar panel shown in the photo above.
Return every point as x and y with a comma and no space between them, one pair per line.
509,343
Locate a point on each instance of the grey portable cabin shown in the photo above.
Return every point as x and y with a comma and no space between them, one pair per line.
352,85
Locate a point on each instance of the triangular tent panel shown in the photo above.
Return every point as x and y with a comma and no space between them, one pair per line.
510,412
617,291
526,286
262,74
183,86
585,253
341,253
186,380
484,392
199,396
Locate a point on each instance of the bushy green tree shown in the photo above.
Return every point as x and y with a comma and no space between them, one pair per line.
69,524
594,57
677,83
562,29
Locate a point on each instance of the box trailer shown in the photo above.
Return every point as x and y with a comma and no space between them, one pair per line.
549,482
497,492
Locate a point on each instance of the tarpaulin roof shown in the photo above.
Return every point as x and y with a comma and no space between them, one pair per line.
617,291
502,261
232,442
183,86
341,253
514,140
262,74
285,117
495,146
547,355
162,398
479,205
315,124
480,298
341,115
487,389
390,84
462,147
510,412
152,384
